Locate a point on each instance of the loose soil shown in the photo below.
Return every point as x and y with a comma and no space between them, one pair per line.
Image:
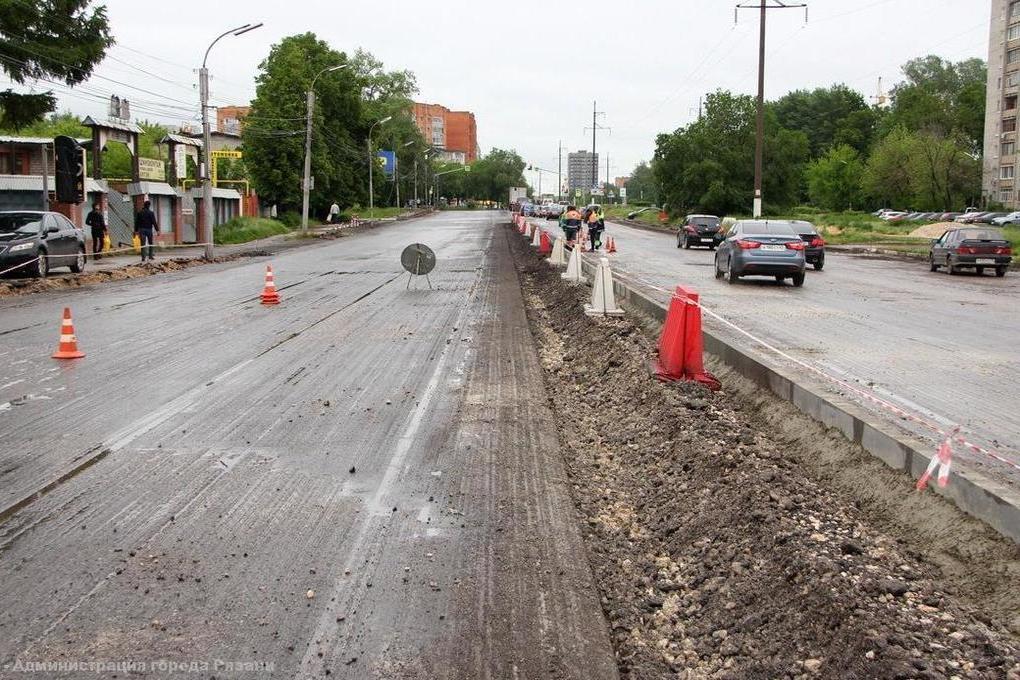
933,230
23,286
718,551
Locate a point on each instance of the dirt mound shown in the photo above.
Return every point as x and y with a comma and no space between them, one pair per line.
933,230
716,553
9,287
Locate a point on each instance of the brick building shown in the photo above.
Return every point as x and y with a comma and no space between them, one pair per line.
454,133
230,119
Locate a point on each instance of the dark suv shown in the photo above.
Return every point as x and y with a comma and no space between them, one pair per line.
700,230
40,241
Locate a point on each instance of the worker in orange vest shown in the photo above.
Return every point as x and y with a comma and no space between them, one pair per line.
571,224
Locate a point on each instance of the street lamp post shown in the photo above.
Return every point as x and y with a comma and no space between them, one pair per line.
203,93
306,183
371,166
396,169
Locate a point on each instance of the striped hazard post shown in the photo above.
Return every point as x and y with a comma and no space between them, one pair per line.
270,296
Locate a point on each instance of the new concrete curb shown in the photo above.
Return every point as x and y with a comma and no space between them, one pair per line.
974,493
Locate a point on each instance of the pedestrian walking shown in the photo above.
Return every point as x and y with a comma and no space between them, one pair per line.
334,213
146,227
97,225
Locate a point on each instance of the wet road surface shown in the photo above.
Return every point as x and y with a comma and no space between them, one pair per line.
363,482
942,346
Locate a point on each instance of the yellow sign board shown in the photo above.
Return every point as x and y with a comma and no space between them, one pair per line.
151,169
216,155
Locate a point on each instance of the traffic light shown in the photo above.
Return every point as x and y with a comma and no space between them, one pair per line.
70,169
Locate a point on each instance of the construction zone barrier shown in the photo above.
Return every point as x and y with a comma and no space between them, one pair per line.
681,351
544,243
536,237
603,296
610,244
558,257
68,347
270,296
573,273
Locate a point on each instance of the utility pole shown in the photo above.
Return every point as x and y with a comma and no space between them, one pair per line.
595,113
45,178
396,175
206,168
763,6
306,182
559,173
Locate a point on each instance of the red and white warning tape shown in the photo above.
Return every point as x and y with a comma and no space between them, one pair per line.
943,458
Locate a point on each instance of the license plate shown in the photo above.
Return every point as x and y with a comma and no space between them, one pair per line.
985,260
707,240
770,247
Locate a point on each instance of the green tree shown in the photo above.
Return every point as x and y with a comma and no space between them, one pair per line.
942,96
492,175
273,135
828,116
709,165
834,180
642,186
117,159
888,173
59,39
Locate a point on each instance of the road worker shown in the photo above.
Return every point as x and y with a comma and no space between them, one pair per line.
570,222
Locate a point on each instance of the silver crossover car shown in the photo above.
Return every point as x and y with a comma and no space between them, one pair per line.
761,248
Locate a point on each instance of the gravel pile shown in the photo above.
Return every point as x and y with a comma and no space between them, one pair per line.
716,554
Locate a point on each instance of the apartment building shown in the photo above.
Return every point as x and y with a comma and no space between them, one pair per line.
454,133
581,170
999,173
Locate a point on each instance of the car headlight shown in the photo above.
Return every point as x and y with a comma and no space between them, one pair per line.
21,246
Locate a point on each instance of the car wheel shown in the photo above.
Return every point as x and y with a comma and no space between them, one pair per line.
78,266
718,272
679,241
821,263
931,263
42,265
949,267
687,243
1001,271
731,275
798,279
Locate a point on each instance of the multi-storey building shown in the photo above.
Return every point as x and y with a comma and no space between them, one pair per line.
454,133
999,173
581,170
230,119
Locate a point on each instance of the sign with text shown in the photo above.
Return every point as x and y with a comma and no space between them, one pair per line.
151,169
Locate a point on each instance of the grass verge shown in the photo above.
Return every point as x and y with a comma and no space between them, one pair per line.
245,229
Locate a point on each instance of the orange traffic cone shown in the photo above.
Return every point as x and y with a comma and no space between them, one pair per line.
68,348
269,294
611,246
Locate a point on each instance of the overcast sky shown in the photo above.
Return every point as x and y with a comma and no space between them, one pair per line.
530,69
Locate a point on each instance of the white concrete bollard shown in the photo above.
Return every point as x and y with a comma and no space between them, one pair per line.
573,273
603,298
536,237
558,258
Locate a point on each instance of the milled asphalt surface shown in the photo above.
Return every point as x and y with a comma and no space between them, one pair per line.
363,482
942,346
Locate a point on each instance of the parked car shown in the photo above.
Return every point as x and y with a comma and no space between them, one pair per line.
29,234
814,244
977,247
949,216
988,217
700,230
967,218
893,216
528,209
761,248
1011,218
554,211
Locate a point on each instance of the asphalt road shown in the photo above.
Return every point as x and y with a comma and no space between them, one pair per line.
363,482
943,346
